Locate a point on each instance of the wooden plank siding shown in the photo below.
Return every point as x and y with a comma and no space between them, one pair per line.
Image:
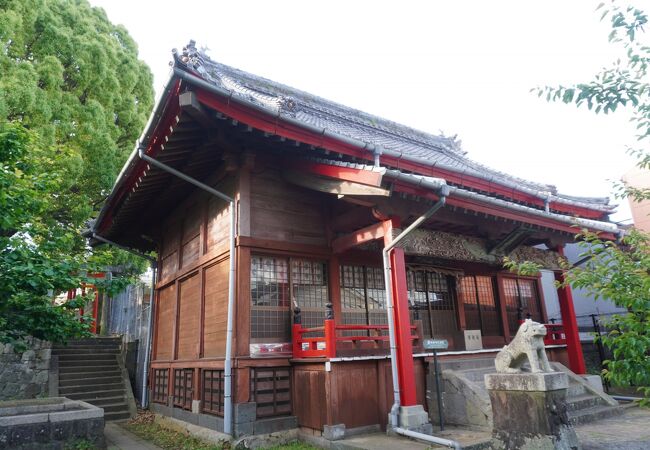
284,212
189,317
216,305
165,322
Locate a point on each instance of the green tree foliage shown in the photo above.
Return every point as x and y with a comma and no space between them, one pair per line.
620,271
73,100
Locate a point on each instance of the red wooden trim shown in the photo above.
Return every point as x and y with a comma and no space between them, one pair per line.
330,339
164,128
313,251
341,173
367,234
274,124
574,347
501,299
401,318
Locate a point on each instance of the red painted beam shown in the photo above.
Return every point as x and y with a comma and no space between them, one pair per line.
367,234
274,124
570,323
402,320
341,173
496,211
161,131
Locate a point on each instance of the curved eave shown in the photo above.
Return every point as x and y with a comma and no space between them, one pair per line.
167,109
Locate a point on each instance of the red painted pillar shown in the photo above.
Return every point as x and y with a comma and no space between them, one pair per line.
574,347
401,320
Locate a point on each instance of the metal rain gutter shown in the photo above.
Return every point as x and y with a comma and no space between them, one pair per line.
434,183
147,355
227,372
443,191
157,112
376,150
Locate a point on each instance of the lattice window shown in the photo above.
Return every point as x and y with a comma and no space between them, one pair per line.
213,389
431,300
183,388
160,386
274,290
522,301
271,390
363,297
480,304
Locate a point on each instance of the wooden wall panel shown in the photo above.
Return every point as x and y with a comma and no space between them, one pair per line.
309,397
354,394
218,222
191,232
189,317
165,323
285,212
216,306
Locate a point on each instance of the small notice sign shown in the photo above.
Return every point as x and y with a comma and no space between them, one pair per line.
436,344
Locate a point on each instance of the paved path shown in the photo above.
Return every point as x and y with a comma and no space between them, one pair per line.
118,438
630,431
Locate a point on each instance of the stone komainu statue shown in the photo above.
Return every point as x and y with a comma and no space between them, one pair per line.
528,343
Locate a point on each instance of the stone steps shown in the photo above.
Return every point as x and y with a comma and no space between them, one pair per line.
88,357
89,371
583,405
91,381
76,363
85,351
584,401
91,396
594,413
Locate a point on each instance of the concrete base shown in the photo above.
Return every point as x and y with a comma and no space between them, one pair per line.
529,411
413,418
594,381
546,381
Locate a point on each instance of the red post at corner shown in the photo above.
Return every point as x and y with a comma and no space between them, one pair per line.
570,323
401,319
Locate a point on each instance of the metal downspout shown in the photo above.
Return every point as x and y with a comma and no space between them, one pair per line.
227,372
390,308
144,402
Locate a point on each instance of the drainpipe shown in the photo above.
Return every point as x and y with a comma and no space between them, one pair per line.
147,355
443,191
227,368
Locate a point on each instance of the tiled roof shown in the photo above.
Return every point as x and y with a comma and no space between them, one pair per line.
312,110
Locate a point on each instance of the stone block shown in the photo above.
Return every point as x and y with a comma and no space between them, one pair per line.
28,355
243,429
274,424
594,381
196,406
245,412
186,416
211,422
545,381
334,432
411,417
531,420
12,421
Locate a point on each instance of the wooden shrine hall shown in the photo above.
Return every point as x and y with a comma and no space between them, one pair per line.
270,210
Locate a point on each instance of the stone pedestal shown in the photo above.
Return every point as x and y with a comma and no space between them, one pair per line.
413,418
529,411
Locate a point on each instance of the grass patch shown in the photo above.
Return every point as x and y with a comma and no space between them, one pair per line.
168,439
144,427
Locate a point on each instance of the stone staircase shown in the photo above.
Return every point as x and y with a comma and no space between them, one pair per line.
92,370
466,400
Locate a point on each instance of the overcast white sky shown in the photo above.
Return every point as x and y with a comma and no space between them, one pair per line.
460,67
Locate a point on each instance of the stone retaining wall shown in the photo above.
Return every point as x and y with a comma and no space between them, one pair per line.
25,375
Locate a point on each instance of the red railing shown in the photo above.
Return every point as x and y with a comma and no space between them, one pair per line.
325,346
554,334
